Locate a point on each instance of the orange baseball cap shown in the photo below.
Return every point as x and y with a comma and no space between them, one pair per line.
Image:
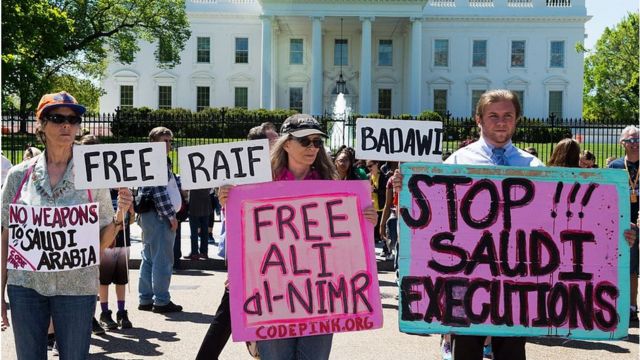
49,102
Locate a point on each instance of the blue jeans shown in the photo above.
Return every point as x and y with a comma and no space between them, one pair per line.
30,314
199,227
300,348
157,259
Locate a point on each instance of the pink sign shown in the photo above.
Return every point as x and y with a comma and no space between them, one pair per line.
512,251
301,260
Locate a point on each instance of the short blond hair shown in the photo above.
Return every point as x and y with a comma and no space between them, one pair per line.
159,131
498,95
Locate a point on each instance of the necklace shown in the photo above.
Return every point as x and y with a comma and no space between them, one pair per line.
634,196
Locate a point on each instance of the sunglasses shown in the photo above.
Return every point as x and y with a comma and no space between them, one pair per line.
633,140
61,119
305,142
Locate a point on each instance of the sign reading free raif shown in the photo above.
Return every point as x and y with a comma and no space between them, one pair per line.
301,259
509,251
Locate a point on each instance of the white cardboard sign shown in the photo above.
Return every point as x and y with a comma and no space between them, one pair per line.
208,166
107,166
399,140
47,239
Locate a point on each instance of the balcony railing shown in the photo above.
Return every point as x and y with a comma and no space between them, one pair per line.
520,3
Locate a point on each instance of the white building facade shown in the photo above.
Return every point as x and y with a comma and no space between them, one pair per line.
396,56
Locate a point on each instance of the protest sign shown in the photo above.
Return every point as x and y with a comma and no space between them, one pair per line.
53,238
105,166
399,140
301,260
514,251
208,166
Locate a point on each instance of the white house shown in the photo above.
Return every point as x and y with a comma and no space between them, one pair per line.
396,56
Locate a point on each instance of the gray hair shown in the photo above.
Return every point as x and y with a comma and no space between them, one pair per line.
627,131
159,131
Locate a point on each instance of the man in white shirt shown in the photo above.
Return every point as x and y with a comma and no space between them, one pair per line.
497,113
6,165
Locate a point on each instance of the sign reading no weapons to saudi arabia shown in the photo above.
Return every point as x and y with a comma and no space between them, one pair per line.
514,251
399,140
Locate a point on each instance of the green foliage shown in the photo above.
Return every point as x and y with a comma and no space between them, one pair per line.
611,74
44,39
84,90
429,116
375,116
404,117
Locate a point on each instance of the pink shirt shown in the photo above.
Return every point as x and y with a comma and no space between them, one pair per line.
288,175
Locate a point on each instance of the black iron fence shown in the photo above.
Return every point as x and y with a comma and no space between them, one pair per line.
218,126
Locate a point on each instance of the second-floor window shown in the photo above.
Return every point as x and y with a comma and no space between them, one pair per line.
204,50
242,50
296,51
441,52
479,53
517,53
557,54
164,51
385,53
341,52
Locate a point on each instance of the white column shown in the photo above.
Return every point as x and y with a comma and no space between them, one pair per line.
265,93
316,65
365,66
415,78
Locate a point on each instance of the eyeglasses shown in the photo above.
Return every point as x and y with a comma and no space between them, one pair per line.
61,119
633,140
305,142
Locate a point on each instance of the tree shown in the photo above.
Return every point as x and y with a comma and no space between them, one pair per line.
611,74
44,39
84,90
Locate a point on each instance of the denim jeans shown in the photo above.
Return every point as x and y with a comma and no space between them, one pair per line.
157,259
30,314
300,348
199,227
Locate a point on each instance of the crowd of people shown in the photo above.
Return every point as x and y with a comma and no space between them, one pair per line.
297,153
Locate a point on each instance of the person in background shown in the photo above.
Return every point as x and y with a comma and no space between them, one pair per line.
299,155
344,163
609,160
629,163
565,154
69,297
388,226
587,160
159,225
378,182
531,150
30,152
182,214
200,210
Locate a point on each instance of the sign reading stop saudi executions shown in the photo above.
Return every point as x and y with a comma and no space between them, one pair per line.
53,238
301,259
514,251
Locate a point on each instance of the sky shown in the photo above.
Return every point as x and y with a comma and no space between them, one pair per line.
605,13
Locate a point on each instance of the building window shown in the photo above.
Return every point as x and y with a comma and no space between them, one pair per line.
241,97
204,50
440,101
295,99
242,50
555,104
385,53
164,51
517,53
520,95
202,97
164,97
475,96
557,54
341,52
296,51
441,53
480,53
384,102
126,96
